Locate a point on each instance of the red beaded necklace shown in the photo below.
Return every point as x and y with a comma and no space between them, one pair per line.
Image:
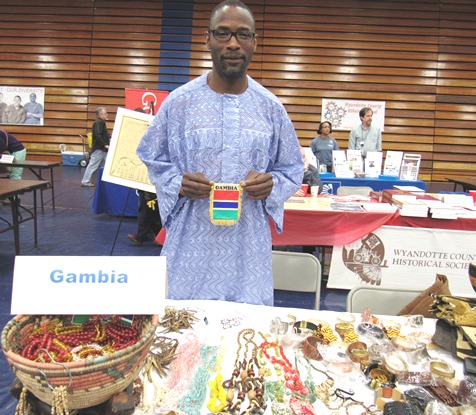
299,392
55,340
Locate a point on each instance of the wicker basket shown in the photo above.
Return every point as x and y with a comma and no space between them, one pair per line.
89,382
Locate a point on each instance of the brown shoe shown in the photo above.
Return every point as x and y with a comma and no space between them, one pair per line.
133,238
87,184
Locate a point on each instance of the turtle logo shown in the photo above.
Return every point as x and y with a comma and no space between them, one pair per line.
366,258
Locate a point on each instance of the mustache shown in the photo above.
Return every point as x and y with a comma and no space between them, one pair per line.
233,56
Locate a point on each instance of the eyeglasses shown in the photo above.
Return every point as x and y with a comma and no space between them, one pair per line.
224,35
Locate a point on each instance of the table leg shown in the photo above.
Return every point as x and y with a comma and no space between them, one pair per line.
52,184
35,227
16,223
41,194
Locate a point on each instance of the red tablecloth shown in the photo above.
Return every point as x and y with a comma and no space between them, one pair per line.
460,224
341,228
316,227
304,227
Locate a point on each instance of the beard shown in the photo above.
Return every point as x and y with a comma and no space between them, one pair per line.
230,71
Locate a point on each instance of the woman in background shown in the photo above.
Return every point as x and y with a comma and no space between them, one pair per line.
323,145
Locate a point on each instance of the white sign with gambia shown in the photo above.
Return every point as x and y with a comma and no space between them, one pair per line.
88,285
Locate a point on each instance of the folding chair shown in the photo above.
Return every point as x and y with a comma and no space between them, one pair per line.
295,271
388,301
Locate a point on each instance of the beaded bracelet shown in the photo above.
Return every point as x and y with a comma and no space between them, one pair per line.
86,351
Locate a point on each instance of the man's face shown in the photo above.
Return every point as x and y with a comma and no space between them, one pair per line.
367,119
103,115
32,97
232,57
17,102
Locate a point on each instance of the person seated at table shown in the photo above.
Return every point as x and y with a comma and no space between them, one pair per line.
323,145
9,143
311,176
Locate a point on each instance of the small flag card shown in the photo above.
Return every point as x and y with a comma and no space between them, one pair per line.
225,204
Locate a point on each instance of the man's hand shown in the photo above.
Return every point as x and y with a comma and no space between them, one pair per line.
258,185
195,186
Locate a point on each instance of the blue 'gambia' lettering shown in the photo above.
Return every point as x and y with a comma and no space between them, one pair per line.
58,276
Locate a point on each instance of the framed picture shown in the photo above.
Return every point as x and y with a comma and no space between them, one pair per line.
123,166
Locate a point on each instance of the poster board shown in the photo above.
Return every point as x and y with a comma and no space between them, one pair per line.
410,167
123,166
343,114
22,105
340,164
392,164
373,163
311,158
356,164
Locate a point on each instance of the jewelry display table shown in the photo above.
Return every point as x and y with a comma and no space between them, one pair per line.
226,337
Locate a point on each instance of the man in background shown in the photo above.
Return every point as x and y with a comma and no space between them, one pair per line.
34,111
222,127
100,147
365,136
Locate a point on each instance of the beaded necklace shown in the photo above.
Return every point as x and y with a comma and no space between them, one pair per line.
192,402
165,395
56,341
243,378
217,400
299,401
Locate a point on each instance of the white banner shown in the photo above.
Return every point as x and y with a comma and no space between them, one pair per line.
343,114
406,258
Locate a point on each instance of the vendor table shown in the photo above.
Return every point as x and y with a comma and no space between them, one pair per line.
331,183
225,333
467,183
330,227
11,189
119,200
37,167
114,199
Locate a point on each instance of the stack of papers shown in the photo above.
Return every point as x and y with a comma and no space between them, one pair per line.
347,206
408,205
411,189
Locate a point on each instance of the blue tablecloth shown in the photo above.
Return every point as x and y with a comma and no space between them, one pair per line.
331,183
114,199
119,200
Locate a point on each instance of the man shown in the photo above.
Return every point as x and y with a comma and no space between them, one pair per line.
15,113
101,139
34,111
3,108
365,136
222,127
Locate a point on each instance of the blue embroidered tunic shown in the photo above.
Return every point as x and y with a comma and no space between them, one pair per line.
224,137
